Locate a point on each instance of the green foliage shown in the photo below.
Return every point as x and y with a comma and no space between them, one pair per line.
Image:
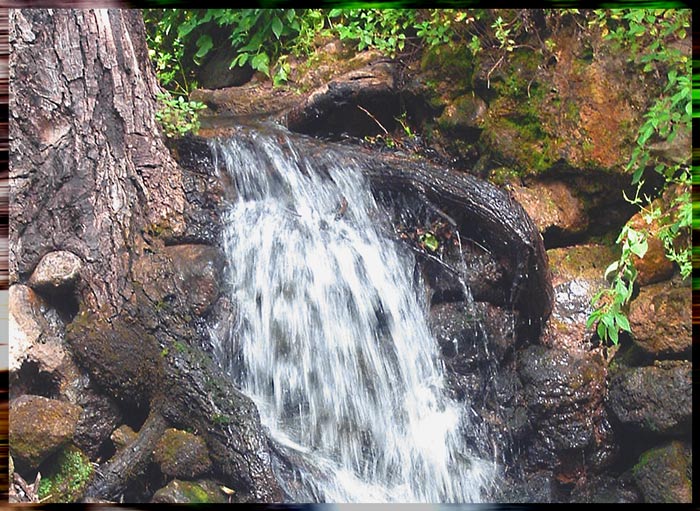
382,29
610,303
264,38
67,478
646,34
177,115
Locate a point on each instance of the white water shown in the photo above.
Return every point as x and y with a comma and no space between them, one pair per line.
332,342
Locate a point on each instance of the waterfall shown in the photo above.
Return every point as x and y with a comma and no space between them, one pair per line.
331,340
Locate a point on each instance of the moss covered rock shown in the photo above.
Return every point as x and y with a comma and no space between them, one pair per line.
65,476
189,492
39,427
182,454
664,474
122,436
463,116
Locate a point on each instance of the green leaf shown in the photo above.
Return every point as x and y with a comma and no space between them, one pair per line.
591,319
429,241
277,27
204,43
261,62
612,332
623,322
639,248
601,331
611,269
637,175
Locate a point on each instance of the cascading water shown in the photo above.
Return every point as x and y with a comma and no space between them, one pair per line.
332,342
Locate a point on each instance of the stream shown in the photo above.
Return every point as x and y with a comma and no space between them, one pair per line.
332,341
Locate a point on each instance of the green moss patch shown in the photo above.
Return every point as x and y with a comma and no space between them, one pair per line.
66,477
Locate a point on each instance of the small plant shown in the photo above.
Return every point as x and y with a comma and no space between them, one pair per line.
405,126
610,303
178,116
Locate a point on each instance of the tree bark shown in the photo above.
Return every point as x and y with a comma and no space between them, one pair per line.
90,174
89,170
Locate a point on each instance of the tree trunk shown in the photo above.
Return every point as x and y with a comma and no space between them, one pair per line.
91,176
89,170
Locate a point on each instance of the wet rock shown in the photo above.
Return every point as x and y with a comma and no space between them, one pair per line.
222,339
655,398
66,476
558,214
537,487
56,270
359,103
661,320
100,415
664,474
34,330
39,427
200,396
577,275
198,271
473,334
189,492
607,489
564,394
182,455
119,353
183,279
474,267
122,436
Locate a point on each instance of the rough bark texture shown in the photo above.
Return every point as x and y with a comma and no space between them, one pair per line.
92,176
88,167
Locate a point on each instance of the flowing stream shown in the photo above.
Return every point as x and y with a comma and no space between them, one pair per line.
332,342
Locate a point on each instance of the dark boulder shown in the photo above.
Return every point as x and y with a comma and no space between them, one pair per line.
665,474
655,399
564,393
607,489
120,354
